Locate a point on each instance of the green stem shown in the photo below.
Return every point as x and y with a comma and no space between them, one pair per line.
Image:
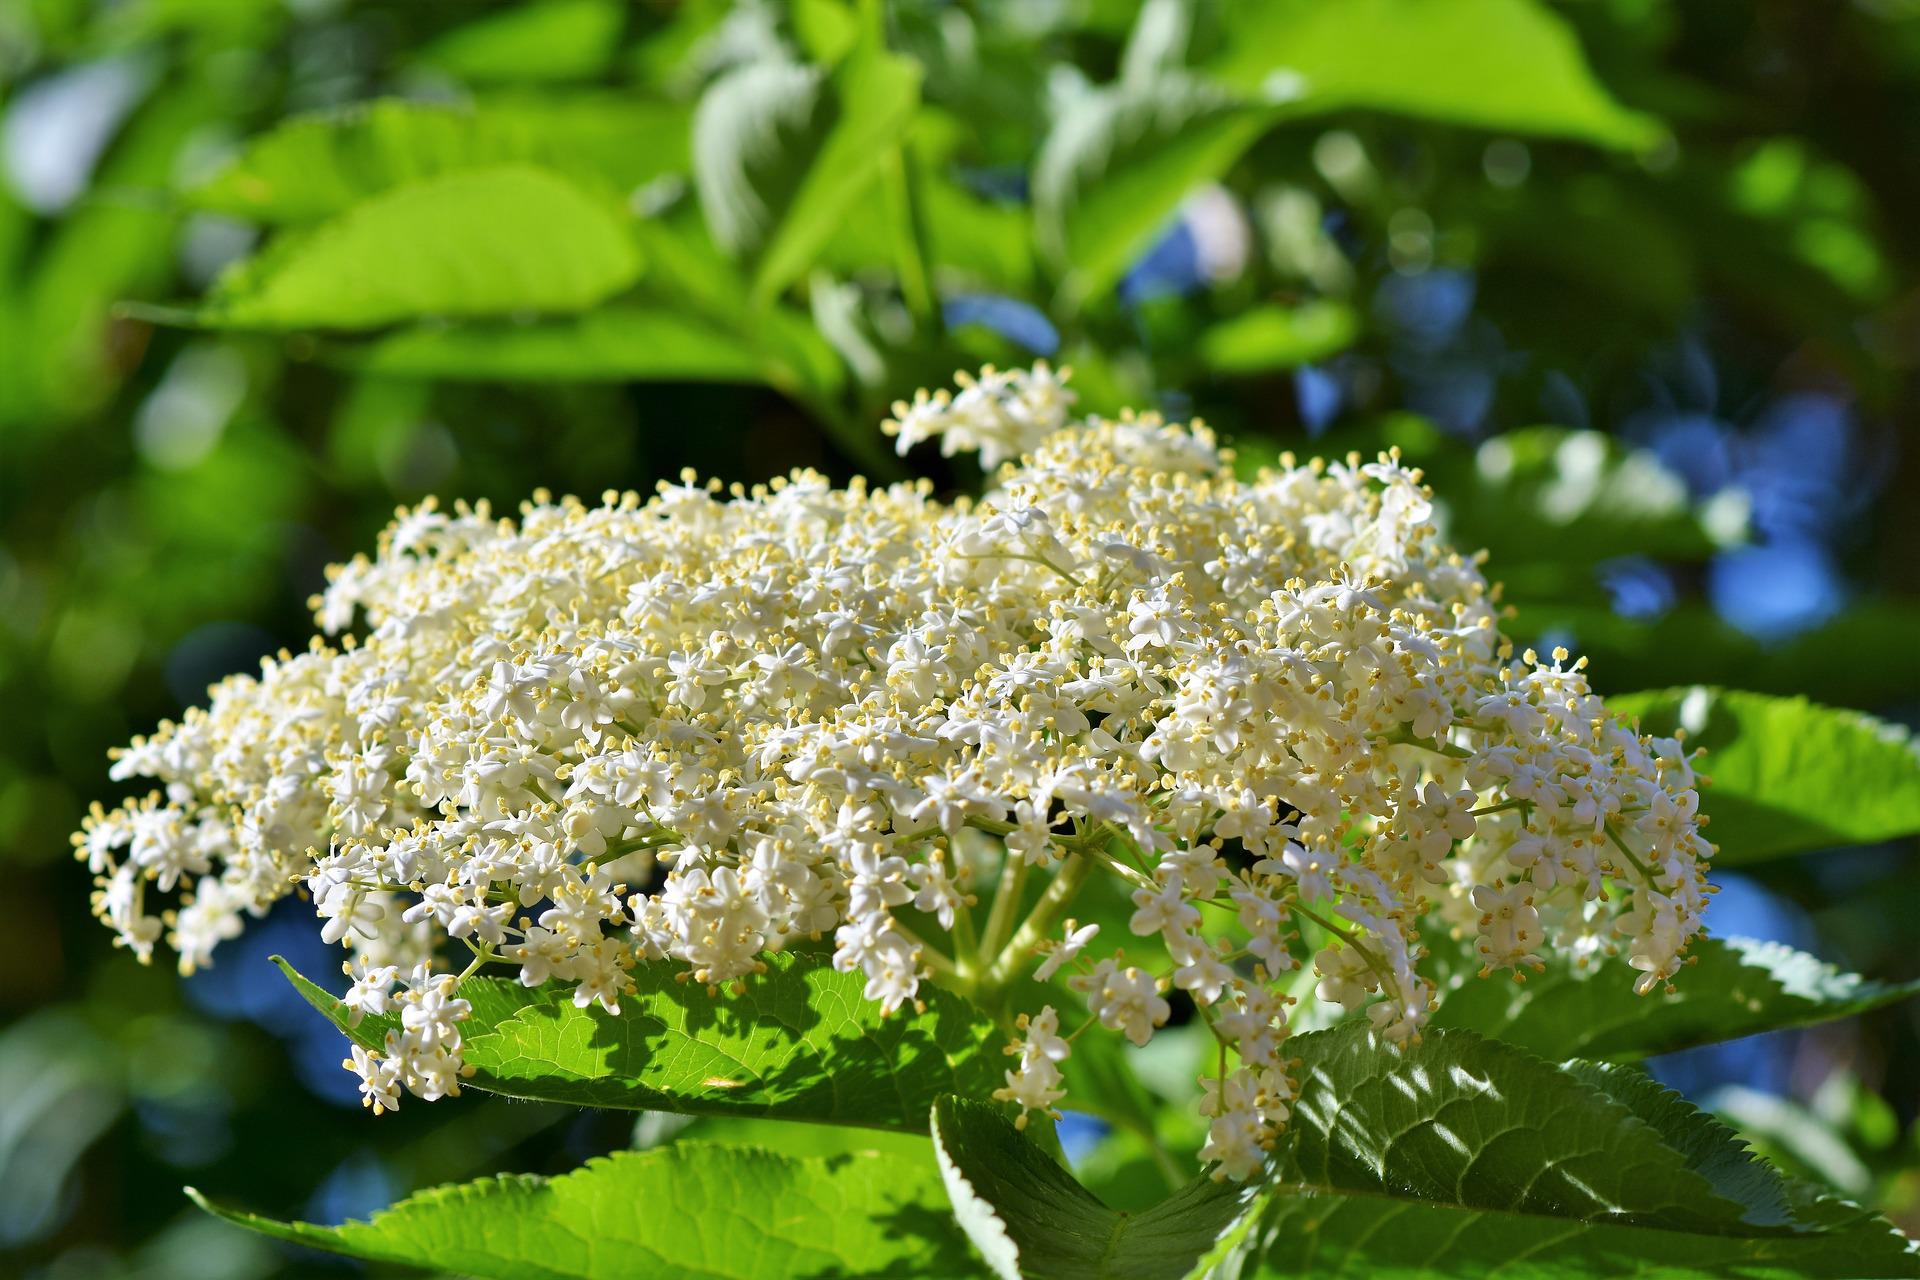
1006,901
1066,883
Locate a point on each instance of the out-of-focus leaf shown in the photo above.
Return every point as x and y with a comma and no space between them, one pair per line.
688,1209
1862,658
1788,775
799,1043
617,343
781,153
1510,65
1028,1217
484,242
1117,164
1276,337
317,165
548,41
1732,987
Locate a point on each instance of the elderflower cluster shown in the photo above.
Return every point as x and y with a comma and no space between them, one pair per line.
704,727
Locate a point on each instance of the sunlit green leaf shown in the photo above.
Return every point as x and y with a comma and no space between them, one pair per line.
1275,337
317,165
799,1043
484,242
546,41
688,1209
1511,65
1788,775
1733,987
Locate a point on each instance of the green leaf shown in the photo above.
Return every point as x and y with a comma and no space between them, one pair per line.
546,42
486,242
1463,1156
799,1043
688,1209
1733,987
782,152
1788,775
1508,65
1454,1156
1267,338
318,165
620,342
1028,1217
1467,1121
1117,164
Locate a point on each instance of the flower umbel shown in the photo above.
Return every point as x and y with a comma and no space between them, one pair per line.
706,726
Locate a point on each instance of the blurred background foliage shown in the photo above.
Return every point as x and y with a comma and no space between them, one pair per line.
1631,278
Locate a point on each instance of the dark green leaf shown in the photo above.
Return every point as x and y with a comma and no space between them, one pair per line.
688,1209
1461,1156
1788,775
484,242
318,165
799,1043
1734,987
1028,1217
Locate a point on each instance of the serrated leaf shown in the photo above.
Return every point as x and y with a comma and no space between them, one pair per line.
1788,775
781,152
1734,987
799,1043
1117,164
317,165
1510,65
1028,1217
1710,1149
485,242
688,1209
1316,1235
1455,1156
1467,1121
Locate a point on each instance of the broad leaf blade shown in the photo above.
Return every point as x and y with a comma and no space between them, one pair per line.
485,242
685,1210
1788,775
1511,65
1317,1235
1463,1120
799,1043
1028,1217
314,166
544,42
623,343
1734,987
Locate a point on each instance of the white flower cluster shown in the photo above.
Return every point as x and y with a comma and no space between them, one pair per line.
700,727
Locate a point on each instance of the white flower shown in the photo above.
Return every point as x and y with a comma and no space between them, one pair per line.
694,729
1064,952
